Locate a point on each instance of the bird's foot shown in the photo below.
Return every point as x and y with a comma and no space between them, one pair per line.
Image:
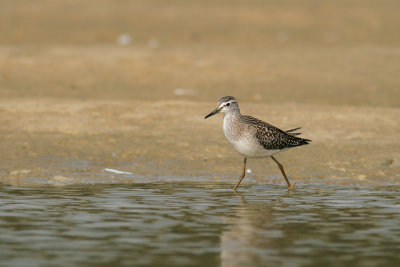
291,187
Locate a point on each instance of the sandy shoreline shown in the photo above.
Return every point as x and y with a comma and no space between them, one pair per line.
75,100
55,141
344,75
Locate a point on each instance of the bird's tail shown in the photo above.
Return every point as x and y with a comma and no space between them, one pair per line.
292,131
300,141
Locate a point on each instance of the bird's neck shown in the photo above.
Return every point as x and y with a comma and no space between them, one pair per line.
230,118
231,125
232,115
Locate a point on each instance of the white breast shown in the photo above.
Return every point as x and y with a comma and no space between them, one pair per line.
243,140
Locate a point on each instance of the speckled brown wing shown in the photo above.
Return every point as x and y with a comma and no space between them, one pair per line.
272,138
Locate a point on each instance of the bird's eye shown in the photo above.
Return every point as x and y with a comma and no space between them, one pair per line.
228,104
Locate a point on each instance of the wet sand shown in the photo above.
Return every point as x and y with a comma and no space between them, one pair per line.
72,141
74,102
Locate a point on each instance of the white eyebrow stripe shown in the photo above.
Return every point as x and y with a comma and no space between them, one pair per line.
224,103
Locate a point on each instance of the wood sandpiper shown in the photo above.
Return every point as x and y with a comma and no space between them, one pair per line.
254,138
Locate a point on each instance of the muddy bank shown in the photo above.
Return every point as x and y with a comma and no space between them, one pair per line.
341,75
68,141
123,85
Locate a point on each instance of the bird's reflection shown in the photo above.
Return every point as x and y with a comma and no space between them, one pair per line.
252,226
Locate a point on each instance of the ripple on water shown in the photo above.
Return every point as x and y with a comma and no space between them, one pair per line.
203,224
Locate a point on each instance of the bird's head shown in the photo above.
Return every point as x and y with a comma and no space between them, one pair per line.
226,105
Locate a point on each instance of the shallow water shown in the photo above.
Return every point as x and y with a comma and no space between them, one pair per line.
202,224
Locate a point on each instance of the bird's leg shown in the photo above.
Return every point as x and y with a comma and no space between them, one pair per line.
290,186
241,176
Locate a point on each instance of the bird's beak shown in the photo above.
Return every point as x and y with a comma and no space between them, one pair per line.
217,110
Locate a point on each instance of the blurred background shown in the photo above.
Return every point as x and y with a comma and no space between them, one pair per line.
319,52
87,85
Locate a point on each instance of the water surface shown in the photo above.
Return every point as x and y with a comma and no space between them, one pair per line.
199,224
